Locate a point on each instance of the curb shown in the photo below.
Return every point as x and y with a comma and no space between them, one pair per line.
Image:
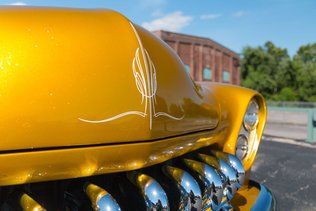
301,143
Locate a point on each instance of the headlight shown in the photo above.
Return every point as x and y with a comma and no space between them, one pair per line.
242,147
247,141
251,117
250,131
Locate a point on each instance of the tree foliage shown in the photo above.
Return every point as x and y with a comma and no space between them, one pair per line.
271,71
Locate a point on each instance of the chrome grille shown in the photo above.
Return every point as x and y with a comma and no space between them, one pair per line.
196,181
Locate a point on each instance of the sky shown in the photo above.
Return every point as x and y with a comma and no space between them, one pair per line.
233,23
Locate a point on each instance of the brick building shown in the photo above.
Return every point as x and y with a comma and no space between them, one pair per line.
205,59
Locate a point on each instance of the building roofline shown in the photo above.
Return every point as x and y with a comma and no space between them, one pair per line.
161,32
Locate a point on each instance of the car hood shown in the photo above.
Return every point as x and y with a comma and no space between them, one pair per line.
71,77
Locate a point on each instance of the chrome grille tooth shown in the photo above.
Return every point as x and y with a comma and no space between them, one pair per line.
228,174
153,194
190,192
212,195
201,182
231,178
237,165
29,204
100,199
234,162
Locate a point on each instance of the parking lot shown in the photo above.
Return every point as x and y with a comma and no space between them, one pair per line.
288,169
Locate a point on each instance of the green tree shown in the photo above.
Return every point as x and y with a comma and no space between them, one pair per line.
304,63
286,94
268,69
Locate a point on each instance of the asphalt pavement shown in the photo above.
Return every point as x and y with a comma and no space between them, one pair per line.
289,171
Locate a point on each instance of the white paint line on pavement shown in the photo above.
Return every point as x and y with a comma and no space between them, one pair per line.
288,141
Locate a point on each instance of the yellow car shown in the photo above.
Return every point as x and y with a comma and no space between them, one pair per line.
99,114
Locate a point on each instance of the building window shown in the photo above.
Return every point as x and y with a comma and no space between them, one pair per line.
226,76
207,74
187,68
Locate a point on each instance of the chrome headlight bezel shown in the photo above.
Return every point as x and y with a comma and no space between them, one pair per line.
251,117
247,140
242,147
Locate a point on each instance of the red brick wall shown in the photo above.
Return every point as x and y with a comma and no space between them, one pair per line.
200,53
184,52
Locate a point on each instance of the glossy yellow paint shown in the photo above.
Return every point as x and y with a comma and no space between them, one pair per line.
234,102
143,181
63,69
26,167
245,198
28,204
80,77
